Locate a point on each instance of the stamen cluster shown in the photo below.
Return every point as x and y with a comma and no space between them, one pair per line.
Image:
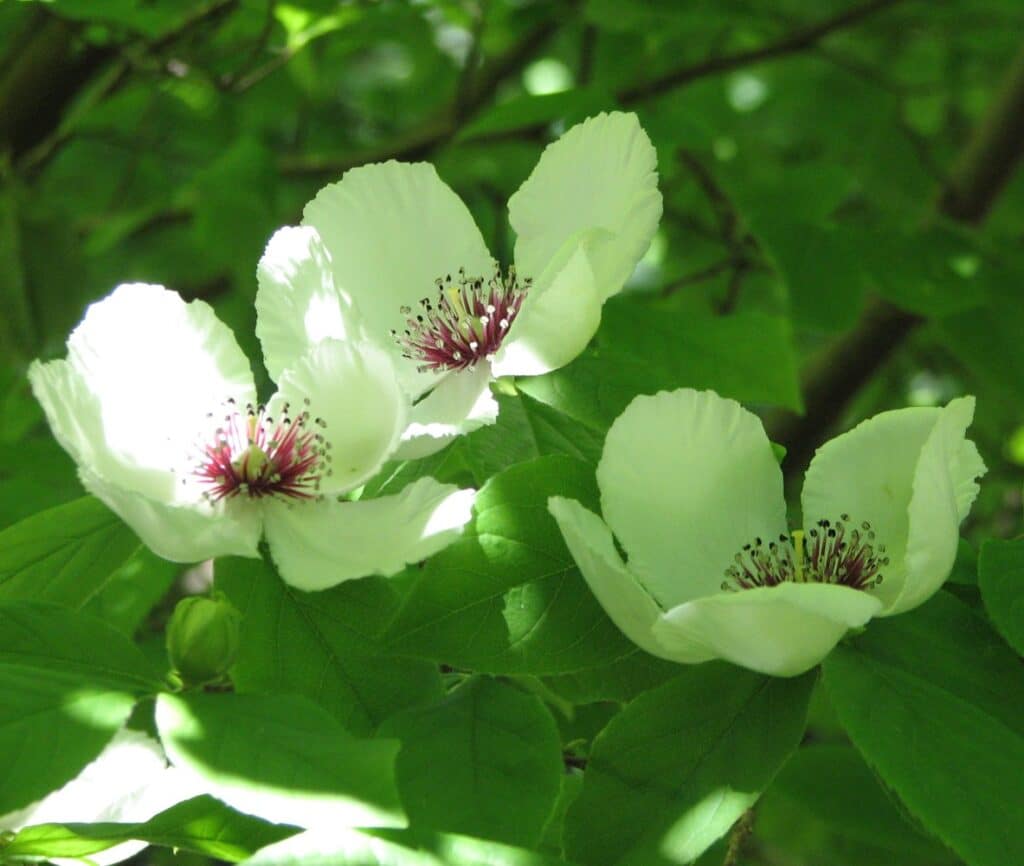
466,323
835,552
254,456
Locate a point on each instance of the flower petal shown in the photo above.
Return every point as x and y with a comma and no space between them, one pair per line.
687,478
351,391
869,473
317,545
183,533
781,630
461,402
559,315
391,229
621,595
944,488
156,368
600,174
297,303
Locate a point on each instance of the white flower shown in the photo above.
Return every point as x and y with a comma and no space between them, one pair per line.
693,493
392,252
156,404
129,782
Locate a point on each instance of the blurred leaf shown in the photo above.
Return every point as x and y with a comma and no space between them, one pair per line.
69,683
281,758
65,555
486,761
673,771
323,645
1001,578
507,597
939,682
202,824
528,111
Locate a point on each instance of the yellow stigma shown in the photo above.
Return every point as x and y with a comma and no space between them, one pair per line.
252,463
798,553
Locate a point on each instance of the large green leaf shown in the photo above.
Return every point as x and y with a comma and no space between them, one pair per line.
485,761
202,824
281,758
322,645
673,771
1001,579
507,597
341,847
934,700
65,555
642,348
68,683
827,805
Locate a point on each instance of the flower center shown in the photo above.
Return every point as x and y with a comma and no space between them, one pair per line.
467,322
254,456
831,552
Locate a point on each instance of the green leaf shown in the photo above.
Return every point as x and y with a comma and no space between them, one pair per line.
934,700
673,771
642,349
620,680
133,590
486,761
507,596
528,111
68,683
1001,579
202,824
323,645
281,758
342,847
825,800
65,554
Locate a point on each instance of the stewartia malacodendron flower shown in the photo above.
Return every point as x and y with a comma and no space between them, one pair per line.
391,252
156,404
691,489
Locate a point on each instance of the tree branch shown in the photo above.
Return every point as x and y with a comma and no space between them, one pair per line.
797,40
832,378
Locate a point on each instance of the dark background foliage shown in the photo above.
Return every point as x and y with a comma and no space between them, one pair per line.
842,233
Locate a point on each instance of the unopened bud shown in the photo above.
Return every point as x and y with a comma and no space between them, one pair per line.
202,638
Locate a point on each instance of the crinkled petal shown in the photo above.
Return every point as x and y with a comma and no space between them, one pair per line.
621,595
156,368
461,402
391,229
868,474
317,545
183,533
781,630
944,487
600,175
354,402
297,303
558,317
687,478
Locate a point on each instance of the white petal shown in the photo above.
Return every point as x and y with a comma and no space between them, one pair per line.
360,410
461,402
183,533
391,230
944,488
600,175
620,593
297,303
868,473
782,630
156,366
687,478
317,545
560,314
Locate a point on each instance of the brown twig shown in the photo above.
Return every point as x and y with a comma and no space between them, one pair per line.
842,369
738,837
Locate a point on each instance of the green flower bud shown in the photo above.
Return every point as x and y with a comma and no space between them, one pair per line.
202,638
